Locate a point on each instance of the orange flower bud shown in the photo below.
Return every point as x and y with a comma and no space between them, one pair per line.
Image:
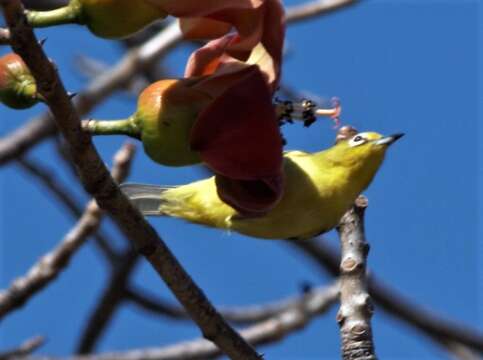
165,116
17,85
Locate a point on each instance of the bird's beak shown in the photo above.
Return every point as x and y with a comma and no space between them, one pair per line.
388,140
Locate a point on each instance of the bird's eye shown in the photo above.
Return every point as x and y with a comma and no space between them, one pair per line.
357,140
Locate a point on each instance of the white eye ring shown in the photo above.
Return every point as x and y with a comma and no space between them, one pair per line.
357,140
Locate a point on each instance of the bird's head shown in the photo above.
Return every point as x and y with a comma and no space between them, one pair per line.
362,151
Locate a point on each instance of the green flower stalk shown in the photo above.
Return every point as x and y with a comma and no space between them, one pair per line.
104,18
127,127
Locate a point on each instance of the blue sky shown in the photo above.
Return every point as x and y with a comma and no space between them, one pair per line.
398,66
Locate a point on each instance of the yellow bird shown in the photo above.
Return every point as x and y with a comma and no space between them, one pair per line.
319,188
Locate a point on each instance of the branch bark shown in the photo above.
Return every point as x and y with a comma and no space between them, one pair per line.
355,312
23,350
98,182
316,8
268,331
51,182
240,315
50,265
4,36
443,331
110,300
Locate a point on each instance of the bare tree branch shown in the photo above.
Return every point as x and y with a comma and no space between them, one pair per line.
4,36
316,8
118,291
155,305
51,264
50,181
25,137
273,329
355,312
241,315
98,182
25,349
460,352
441,330
108,303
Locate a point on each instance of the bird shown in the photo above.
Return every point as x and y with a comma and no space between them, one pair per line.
318,189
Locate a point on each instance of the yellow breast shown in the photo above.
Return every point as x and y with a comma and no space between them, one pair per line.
316,196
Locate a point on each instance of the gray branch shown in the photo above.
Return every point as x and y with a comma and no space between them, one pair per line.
316,8
98,182
4,36
240,315
24,349
443,331
272,330
355,312
110,300
50,265
64,196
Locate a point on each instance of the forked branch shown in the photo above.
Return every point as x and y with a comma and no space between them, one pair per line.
97,181
355,312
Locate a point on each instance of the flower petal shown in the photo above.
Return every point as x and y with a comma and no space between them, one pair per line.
191,8
237,135
202,28
206,59
254,20
250,198
211,59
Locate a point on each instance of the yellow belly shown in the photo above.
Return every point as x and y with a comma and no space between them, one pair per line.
315,198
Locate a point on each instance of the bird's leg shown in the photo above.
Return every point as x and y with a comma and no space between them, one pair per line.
306,111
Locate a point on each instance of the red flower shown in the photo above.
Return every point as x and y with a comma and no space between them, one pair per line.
238,135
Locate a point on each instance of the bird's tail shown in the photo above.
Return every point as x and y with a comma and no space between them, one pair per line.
147,198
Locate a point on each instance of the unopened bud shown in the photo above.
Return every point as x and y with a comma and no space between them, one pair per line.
18,89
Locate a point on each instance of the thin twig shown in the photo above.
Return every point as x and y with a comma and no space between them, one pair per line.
439,329
98,182
355,312
271,330
25,137
25,349
110,300
240,315
4,36
51,182
50,265
119,290
316,8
